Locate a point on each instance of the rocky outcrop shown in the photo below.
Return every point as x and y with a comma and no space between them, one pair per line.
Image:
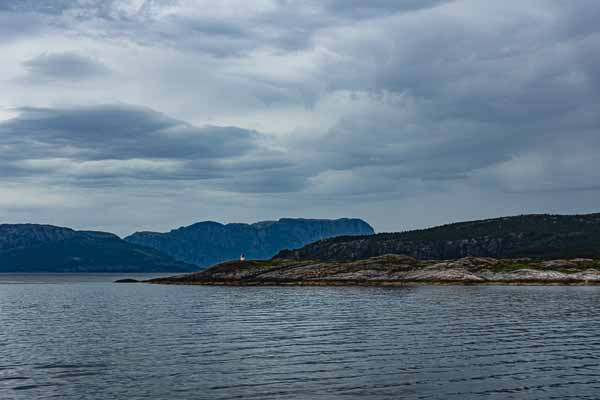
46,248
535,236
394,270
208,243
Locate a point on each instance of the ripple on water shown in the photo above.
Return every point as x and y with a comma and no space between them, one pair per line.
99,341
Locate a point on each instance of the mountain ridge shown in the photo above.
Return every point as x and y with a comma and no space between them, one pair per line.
207,243
48,248
527,235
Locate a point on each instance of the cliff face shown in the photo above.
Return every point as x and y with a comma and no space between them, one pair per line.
208,243
46,248
538,236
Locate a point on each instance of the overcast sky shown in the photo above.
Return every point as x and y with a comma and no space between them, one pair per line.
148,115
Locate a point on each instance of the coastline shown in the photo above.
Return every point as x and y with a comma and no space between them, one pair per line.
394,271
372,283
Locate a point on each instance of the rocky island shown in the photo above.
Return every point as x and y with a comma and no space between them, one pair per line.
525,249
396,270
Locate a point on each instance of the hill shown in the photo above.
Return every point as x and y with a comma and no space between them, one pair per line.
208,243
46,248
538,236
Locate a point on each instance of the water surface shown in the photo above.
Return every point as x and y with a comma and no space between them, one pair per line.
91,339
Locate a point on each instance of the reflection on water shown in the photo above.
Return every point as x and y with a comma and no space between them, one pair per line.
97,340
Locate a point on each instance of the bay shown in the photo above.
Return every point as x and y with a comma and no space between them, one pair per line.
83,337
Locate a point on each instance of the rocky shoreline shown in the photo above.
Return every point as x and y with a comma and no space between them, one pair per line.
395,270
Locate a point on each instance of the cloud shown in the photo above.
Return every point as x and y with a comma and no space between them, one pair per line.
18,26
230,28
22,197
123,131
80,8
371,107
89,144
68,66
472,92
377,8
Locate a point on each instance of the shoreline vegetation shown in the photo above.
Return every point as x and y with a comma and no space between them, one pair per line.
395,270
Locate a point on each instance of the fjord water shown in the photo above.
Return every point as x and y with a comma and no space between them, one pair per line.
97,340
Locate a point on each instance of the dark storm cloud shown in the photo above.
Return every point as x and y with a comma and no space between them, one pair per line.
123,131
68,66
115,141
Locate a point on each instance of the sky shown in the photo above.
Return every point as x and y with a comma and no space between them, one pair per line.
127,115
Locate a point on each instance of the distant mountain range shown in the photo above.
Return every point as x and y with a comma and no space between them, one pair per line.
538,236
208,243
46,248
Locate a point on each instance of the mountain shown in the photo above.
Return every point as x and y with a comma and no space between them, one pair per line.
538,236
208,243
46,248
